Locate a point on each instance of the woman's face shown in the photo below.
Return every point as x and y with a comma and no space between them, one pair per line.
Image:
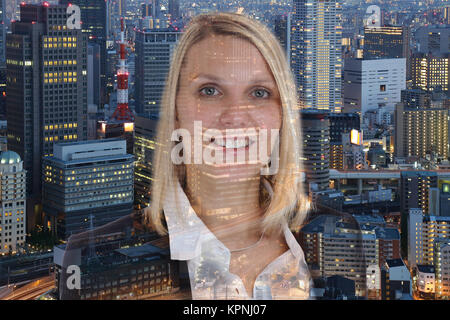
225,84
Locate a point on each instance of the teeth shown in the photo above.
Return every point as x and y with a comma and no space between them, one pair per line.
234,144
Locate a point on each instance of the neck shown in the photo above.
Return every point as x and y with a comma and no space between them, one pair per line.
228,205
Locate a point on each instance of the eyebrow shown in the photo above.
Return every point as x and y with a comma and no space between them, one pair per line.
216,79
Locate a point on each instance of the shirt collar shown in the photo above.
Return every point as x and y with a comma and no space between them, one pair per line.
187,231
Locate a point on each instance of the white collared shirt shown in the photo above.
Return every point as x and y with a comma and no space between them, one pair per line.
208,259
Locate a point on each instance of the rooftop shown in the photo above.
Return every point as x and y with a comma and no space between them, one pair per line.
392,263
141,251
9,157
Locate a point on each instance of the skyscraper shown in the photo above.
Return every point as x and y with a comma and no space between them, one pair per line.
94,24
430,72
12,200
316,53
152,9
154,49
414,194
421,131
433,39
47,88
2,31
144,146
386,43
282,30
174,9
316,147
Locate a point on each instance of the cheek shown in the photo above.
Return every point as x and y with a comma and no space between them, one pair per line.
269,118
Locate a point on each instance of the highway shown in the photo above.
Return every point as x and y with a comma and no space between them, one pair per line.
32,290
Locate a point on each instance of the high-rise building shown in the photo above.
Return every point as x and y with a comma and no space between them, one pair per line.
47,89
421,132
174,9
433,39
424,233
2,31
144,146
93,74
13,203
94,24
430,72
441,263
416,98
414,194
316,53
386,43
342,123
316,147
282,30
154,49
373,84
152,9
87,178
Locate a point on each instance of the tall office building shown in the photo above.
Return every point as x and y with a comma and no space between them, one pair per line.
153,9
420,132
416,98
440,199
47,89
447,15
342,126
430,72
316,147
93,73
386,42
316,53
2,30
282,30
94,23
342,123
414,193
154,49
373,84
12,202
433,39
144,146
174,9
84,179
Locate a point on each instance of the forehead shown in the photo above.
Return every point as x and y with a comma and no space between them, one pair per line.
227,56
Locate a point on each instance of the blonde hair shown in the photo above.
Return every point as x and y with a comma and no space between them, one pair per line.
288,202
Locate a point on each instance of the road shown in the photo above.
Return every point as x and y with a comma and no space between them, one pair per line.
32,290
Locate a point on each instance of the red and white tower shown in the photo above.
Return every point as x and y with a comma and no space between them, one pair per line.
122,112
121,122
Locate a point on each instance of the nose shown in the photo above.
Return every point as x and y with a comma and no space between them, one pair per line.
236,114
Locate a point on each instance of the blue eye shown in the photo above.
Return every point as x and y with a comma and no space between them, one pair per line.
209,91
261,93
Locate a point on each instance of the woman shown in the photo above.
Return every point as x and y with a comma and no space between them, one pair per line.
227,185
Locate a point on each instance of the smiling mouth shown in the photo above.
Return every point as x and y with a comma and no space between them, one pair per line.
233,143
